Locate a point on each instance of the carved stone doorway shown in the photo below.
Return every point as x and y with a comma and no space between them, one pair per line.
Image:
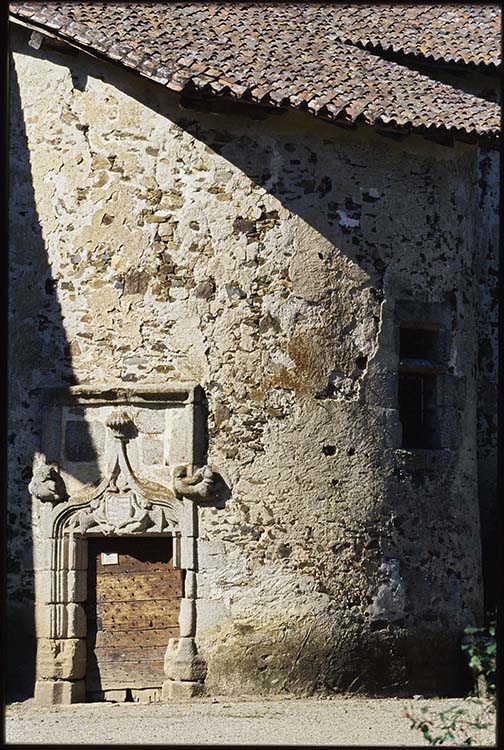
132,608
131,490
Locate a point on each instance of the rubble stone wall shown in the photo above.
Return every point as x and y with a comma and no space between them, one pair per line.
487,249
267,258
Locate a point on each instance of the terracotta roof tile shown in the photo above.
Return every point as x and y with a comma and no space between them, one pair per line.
294,54
458,32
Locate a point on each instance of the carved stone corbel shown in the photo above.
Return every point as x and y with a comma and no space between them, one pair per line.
198,486
47,485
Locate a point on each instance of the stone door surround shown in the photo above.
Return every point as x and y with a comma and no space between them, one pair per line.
68,510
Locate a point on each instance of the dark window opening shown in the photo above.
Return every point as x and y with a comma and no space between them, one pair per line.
418,410
417,343
419,371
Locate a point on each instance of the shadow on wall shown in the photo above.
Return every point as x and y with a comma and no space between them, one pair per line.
39,356
333,199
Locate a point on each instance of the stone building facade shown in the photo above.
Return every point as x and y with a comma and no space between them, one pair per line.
303,317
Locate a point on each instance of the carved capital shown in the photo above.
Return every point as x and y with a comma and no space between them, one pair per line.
47,484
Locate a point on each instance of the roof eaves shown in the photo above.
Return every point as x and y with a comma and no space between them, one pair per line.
182,80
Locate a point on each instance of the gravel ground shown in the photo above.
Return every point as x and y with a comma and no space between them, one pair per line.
223,721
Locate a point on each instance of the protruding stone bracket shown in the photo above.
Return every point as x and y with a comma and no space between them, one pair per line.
198,486
46,484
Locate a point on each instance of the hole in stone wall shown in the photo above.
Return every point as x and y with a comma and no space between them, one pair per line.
378,625
329,450
361,362
50,285
128,697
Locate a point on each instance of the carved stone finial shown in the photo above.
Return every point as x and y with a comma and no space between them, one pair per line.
121,425
46,484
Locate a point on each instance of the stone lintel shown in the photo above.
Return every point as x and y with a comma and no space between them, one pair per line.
119,392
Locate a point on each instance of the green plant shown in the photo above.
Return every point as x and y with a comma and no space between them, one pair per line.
481,647
456,725
463,724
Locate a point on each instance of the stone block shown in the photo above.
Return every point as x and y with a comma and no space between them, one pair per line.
61,659
45,522
113,696
76,586
210,554
171,651
84,441
61,587
44,586
76,557
179,691
212,616
109,696
194,670
74,552
150,420
152,451
42,554
52,692
187,617
60,621
188,553
190,584
189,519
182,662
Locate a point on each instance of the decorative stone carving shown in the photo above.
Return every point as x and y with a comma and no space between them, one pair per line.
123,503
46,484
199,486
121,425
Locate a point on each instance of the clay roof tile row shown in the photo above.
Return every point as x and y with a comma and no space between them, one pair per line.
302,55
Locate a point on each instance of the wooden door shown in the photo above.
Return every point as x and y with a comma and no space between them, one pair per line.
132,609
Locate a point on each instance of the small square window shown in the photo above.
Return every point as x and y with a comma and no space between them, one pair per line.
417,343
